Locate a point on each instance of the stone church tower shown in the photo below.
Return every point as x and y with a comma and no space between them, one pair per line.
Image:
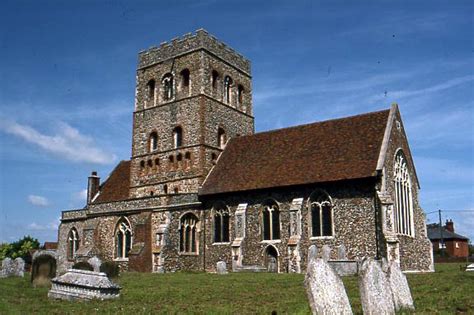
192,95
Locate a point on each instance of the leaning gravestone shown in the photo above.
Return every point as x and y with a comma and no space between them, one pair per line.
402,298
95,262
18,269
326,252
43,268
325,290
221,268
341,252
375,293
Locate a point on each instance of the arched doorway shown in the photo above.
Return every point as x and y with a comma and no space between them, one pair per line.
271,259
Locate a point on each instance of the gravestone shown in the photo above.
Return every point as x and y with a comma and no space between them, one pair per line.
341,252
312,253
272,264
326,252
470,267
95,262
221,268
18,269
325,290
7,266
43,267
375,293
402,298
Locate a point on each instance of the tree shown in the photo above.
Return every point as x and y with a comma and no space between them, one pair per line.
20,248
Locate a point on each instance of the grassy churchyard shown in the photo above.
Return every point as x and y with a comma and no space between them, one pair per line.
448,291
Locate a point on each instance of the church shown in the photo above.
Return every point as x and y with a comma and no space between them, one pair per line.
202,187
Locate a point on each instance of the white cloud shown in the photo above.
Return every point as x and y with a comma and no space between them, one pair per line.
80,195
51,226
38,201
68,143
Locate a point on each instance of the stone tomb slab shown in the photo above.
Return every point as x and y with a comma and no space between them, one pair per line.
83,285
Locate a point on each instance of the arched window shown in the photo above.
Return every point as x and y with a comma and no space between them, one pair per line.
227,89
72,243
153,141
185,75
123,239
188,242
177,137
151,85
221,225
321,214
271,222
215,78
221,138
403,196
240,94
168,87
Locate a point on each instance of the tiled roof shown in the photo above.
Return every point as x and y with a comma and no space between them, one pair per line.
434,233
117,186
333,150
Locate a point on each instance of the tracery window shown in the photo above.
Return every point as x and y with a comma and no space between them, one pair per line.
177,137
221,226
153,141
221,138
123,239
168,87
403,196
321,215
271,222
188,234
73,243
227,89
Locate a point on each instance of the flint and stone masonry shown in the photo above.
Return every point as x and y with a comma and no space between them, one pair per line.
202,187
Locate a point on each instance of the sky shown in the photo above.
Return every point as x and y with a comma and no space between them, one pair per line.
67,80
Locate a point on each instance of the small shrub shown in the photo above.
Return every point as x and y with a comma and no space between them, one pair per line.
83,265
110,268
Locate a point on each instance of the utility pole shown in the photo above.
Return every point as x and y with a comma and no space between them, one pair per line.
441,232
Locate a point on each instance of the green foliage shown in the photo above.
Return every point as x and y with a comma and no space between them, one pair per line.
447,291
20,248
111,268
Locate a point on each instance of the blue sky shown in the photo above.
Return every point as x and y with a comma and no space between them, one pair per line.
67,80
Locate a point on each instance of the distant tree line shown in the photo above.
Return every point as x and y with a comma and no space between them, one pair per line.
20,248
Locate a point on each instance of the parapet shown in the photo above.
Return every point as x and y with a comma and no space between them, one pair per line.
201,39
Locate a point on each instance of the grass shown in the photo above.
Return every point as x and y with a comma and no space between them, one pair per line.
448,291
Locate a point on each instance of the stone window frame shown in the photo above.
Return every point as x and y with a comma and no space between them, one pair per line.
178,137
227,92
169,89
403,196
185,80
150,99
195,228
311,201
123,225
153,144
222,210
73,243
221,137
270,205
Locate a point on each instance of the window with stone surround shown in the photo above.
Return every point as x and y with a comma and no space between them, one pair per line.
185,78
240,94
123,239
227,89
177,137
271,222
215,78
151,86
221,225
153,141
168,87
403,196
321,215
188,242
72,243
221,138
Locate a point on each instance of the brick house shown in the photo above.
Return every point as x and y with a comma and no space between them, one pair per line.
455,244
202,186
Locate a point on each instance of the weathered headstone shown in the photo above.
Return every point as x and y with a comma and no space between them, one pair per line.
18,269
341,252
272,264
312,253
375,293
6,267
43,268
95,262
326,252
221,267
402,298
325,290
470,267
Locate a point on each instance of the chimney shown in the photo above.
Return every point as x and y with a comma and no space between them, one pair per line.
450,225
93,185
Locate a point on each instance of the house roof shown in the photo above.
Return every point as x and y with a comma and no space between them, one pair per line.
434,233
333,150
117,186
